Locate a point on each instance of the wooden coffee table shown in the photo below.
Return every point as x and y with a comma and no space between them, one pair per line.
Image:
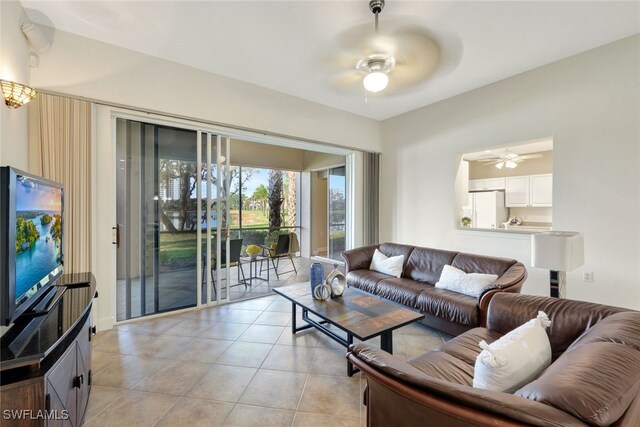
359,314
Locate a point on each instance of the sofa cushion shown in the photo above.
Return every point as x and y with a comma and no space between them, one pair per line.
472,284
404,291
451,306
365,279
444,366
425,264
391,265
570,319
621,328
471,263
595,382
394,249
466,346
515,359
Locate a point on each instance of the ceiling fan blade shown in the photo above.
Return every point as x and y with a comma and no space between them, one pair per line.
493,162
415,51
530,156
493,159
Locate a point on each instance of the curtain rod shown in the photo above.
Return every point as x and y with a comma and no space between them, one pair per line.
202,121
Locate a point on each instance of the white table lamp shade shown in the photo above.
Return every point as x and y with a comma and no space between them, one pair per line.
557,250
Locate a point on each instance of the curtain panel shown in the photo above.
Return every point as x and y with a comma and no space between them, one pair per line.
371,172
60,150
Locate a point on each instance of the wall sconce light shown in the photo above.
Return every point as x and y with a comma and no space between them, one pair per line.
16,94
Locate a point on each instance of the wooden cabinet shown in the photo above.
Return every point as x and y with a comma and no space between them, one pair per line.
529,191
45,370
68,382
487,184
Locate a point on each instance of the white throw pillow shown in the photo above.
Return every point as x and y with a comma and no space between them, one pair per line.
472,284
387,265
515,359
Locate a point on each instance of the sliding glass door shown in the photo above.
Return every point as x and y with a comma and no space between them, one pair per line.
156,219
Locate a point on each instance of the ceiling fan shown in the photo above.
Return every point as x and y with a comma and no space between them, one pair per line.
390,58
509,159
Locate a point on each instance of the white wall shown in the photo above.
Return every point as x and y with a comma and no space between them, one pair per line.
82,67
14,66
590,105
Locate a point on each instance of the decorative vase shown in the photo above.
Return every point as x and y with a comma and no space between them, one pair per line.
336,281
322,292
253,256
316,275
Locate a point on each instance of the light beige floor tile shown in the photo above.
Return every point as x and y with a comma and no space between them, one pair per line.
202,350
304,419
306,338
224,331
196,413
128,371
100,398
241,316
274,318
415,345
280,305
255,304
158,325
100,360
134,409
175,378
329,361
253,416
262,333
165,346
249,354
340,395
190,327
223,383
326,342
274,389
289,358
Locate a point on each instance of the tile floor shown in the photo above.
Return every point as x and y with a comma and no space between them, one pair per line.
234,365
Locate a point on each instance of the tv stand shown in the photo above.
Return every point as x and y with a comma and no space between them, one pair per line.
45,368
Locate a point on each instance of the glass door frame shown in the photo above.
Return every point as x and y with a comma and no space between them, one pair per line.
222,164
105,175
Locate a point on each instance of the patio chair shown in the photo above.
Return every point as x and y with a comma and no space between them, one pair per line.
235,248
286,247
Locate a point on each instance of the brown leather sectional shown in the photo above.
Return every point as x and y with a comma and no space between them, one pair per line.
594,378
450,312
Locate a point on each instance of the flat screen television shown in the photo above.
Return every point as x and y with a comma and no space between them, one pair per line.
31,236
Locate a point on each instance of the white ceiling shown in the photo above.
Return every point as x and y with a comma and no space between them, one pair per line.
288,46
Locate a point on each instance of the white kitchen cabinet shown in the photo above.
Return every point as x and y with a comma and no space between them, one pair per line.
487,184
541,190
529,191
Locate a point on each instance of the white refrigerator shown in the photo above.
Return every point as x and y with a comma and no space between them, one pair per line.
487,209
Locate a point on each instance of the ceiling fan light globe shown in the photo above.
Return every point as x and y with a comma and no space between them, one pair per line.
500,165
510,164
375,81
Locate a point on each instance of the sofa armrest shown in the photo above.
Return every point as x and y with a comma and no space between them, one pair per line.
398,394
511,281
359,258
569,318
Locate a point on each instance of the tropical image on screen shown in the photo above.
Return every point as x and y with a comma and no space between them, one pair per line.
38,233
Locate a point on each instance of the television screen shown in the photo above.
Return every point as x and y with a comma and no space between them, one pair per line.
38,243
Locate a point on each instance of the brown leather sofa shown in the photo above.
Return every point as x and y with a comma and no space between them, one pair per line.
594,378
450,312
